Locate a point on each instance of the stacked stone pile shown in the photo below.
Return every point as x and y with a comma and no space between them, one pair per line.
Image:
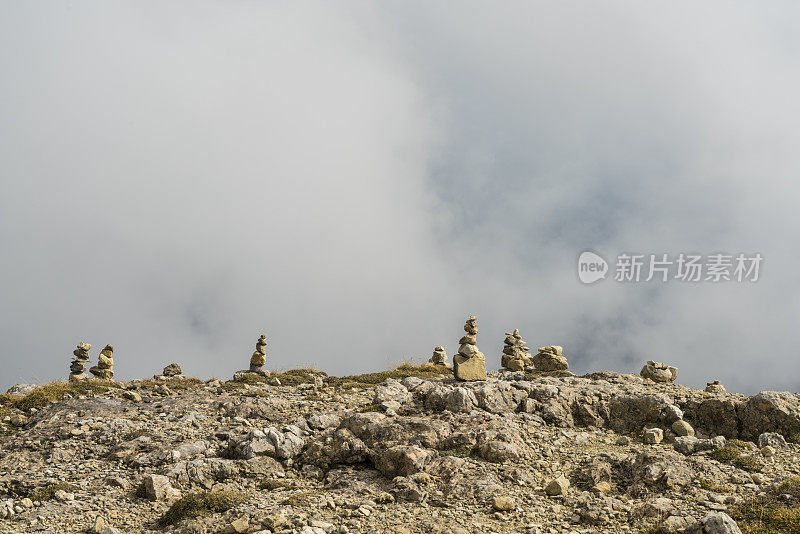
550,358
659,372
172,370
77,370
259,357
715,387
469,363
439,357
515,352
105,364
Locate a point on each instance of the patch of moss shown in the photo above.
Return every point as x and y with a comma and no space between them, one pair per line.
370,408
272,484
173,383
294,377
747,463
458,452
56,391
300,499
732,454
48,492
777,512
710,485
426,370
794,438
726,454
134,434
247,378
201,504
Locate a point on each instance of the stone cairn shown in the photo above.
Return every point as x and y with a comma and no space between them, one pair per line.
77,371
515,352
659,372
550,358
439,357
715,387
105,364
259,357
469,363
172,370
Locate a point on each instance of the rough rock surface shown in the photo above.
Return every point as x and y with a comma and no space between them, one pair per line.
550,359
517,452
659,372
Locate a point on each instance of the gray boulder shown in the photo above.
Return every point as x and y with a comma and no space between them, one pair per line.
715,523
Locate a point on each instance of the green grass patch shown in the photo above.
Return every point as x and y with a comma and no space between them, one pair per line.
56,391
777,512
175,384
135,434
300,499
426,370
458,452
201,504
747,463
710,485
273,484
370,408
294,377
733,454
48,492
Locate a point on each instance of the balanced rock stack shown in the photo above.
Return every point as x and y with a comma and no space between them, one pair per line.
515,352
259,357
469,363
715,387
105,364
439,357
659,372
172,370
77,371
550,359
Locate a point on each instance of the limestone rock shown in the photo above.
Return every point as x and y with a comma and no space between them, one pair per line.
20,390
653,436
770,411
771,439
715,387
659,372
557,486
158,488
502,503
715,523
682,428
402,460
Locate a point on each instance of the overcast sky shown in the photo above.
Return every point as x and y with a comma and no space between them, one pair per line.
354,179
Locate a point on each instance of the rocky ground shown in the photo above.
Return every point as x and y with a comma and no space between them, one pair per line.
407,451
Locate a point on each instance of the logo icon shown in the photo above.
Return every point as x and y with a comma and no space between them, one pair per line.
591,267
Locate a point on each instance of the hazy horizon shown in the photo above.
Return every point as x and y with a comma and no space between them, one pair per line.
355,179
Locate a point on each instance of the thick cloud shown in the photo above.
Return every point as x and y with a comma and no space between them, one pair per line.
354,180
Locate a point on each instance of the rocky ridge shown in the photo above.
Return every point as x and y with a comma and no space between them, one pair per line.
406,451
